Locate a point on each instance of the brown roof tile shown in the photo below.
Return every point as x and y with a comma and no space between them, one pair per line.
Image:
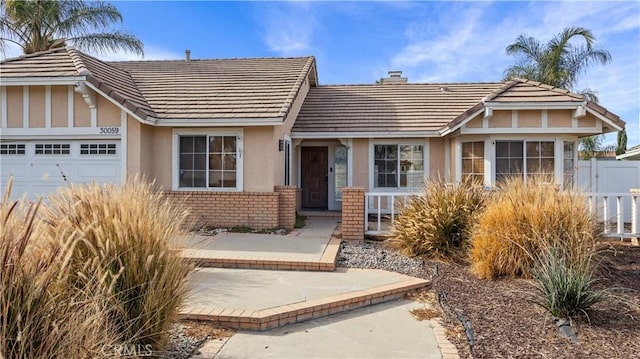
218,89
261,88
385,108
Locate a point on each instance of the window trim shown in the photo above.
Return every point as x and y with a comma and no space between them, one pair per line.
424,142
175,157
288,161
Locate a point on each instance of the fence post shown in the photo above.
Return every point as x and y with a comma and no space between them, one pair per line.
635,227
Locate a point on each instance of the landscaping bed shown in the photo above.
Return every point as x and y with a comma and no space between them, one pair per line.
507,323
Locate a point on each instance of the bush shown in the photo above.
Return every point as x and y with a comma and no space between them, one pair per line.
125,242
39,316
565,284
520,219
437,222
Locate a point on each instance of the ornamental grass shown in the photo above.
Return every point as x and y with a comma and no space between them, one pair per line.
437,222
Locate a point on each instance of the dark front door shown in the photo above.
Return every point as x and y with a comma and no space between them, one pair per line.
315,178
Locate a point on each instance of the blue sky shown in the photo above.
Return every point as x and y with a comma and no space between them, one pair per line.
358,42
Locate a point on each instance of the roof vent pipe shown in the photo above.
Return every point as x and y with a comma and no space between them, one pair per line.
187,55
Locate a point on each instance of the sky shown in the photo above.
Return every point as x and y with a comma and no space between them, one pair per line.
360,41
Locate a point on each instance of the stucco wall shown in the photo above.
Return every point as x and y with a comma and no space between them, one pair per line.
500,119
527,118
81,112
36,106
14,106
559,118
436,159
259,152
360,148
59,106
108,113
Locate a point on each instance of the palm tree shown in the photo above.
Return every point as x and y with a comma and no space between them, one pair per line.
38,25
559,62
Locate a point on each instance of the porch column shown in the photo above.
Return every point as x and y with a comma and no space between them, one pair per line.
286,206
353,213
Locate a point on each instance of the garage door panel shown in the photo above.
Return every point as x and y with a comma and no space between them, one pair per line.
40,174
104,172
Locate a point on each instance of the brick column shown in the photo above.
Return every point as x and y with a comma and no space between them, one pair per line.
353,213
286,206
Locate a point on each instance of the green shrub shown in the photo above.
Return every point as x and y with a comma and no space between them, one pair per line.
518,219
125,242
437,222
40,317
565,284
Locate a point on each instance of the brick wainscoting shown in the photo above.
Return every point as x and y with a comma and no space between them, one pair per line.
252,209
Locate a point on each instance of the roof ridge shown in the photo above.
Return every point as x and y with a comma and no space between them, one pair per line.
509,84
77,60
412,84
295,91
35,54
213,59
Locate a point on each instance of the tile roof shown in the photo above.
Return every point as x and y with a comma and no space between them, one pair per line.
416,107
234,89
220,89
388,108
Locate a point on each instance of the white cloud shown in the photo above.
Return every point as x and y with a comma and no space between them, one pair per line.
288,28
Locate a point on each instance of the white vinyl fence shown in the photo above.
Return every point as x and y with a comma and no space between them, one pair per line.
607,186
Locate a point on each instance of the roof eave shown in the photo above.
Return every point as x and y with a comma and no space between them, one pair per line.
225,122
41,81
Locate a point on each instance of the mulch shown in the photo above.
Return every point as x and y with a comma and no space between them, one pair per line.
507,323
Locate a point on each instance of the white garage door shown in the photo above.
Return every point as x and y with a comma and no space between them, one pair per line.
40,167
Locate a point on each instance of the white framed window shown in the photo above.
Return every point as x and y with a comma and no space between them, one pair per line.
13,149
524,158
52,149
473,161
398,165
208,160
569,163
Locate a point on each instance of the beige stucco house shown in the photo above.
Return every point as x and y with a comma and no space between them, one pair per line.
249,141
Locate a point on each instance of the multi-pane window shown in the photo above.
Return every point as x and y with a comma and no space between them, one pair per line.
398,166
98,149
12,149
569,163
340,170
53,149
208,161
539,157
519,158
473,161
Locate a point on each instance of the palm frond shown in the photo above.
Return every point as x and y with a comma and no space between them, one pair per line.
108,41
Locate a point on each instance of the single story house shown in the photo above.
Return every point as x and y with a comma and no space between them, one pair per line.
632,154
249,141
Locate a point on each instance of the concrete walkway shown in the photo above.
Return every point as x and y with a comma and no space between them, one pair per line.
310,248
309,310
386,330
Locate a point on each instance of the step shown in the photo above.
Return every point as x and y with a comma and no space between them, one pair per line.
323,261
259,300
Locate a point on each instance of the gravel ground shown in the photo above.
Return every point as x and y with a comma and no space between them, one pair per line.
374,255
504,320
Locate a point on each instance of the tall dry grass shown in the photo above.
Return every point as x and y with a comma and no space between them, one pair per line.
125,236
40,317
437,222
521,220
